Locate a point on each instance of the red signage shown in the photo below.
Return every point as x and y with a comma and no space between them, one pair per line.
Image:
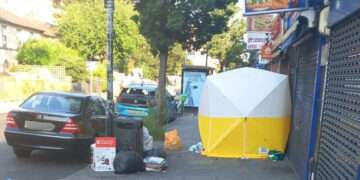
266,52
268,5
105,142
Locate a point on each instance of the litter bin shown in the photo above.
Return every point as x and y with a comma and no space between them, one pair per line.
129,134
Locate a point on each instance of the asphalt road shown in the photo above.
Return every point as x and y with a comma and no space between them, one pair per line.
41,166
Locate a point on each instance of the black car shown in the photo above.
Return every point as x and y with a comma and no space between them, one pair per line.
56,121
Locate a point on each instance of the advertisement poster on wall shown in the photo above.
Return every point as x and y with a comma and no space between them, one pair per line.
193,83
261,23
262,28
261,6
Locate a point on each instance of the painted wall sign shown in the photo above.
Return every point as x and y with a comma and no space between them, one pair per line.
262,23
252,6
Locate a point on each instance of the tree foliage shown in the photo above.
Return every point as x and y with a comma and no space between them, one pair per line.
177,57
189,23
229,47
51,52
82,26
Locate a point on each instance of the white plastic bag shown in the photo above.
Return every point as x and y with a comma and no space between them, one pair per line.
148,140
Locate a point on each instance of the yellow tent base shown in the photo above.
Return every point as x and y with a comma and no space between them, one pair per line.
245,156
248,138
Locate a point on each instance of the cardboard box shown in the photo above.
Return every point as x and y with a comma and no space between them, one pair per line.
103,154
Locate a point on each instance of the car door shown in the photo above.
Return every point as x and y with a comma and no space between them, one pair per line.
98,116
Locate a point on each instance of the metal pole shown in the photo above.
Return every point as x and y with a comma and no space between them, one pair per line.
207,56
91,82
109,5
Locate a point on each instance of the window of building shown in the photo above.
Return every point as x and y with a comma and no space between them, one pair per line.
3,36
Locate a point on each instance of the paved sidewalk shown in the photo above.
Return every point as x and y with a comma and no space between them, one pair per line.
184,165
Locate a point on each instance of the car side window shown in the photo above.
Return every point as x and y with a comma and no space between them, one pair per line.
97,108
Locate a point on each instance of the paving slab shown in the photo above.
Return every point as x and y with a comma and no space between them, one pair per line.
185,165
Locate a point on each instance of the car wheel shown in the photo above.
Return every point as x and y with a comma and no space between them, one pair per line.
85,157
22,153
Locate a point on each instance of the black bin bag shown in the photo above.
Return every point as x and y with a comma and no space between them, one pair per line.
127,162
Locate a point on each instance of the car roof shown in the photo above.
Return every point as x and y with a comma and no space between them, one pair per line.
148,87
72,94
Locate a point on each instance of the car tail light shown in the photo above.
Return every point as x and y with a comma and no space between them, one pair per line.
70,127
10,121
119,99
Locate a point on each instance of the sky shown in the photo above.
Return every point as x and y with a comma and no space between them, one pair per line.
241,4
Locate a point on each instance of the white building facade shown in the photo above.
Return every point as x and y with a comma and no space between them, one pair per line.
16,29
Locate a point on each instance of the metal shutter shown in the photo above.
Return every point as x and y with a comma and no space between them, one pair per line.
339,148
303,81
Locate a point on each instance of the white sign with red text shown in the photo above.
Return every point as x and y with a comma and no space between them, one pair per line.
103,154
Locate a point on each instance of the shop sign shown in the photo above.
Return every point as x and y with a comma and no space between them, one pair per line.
261,6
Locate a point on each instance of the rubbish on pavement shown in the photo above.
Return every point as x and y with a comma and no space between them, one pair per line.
172,140
127,162
276,155
103,154
246,118
148,139
129,134
155,164
157,152
196,148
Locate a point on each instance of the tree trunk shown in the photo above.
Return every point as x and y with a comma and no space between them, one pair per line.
222,66
161,97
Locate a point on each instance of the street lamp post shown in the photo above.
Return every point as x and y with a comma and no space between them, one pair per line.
109,5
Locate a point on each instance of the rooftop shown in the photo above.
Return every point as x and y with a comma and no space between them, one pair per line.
44,28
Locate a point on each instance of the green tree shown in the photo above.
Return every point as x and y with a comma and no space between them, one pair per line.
143,58
52,52
190,23
177,57
82,26
228,46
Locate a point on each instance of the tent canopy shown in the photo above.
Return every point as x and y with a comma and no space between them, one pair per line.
244,111
245,92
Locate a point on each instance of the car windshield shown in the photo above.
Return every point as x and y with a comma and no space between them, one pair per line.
53,103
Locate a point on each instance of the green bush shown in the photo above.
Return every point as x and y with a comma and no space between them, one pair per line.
101,74
52,52
155,128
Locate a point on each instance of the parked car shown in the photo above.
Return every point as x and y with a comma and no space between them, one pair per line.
136,100
56,121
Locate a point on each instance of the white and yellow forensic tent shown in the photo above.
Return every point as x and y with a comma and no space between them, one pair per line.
244,113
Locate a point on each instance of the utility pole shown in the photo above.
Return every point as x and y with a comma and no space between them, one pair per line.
207,56
109,5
